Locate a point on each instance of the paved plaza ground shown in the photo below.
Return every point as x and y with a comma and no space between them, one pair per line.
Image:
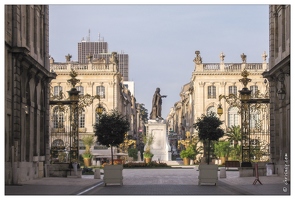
182,181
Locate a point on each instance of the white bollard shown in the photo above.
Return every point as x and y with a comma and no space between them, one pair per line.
74,164
222,173
97,173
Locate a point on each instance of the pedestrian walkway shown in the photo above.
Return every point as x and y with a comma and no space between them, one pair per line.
174,181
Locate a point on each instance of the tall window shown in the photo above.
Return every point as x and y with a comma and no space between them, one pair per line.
58,118
232,90
254,89
211,92
57,90
82,119
233,117
211,109
81,89
28,25
100,90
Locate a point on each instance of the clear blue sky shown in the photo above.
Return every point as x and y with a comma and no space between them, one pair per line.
161,40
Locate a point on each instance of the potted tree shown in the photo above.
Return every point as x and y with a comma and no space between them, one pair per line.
208,127
188,154
147,154
110,131
88,141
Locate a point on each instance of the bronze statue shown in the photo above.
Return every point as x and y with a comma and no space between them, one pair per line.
157,105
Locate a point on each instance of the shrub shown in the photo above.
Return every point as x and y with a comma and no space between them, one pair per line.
132,152
189,152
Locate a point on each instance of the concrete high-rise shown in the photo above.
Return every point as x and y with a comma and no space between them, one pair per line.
86,48
98,50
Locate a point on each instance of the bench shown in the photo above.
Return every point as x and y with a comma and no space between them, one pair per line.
232,164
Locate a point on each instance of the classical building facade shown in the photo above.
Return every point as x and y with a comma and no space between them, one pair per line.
97,77
280,88
208,82
27,79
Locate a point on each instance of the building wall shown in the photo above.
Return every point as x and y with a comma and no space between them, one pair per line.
27,78
279,78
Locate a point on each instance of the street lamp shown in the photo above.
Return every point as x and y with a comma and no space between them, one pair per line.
99,110
219,110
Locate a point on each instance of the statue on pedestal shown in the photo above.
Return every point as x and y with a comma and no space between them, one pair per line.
157,105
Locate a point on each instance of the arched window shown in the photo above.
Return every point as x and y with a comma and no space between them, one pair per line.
57,143
233,117
82,119
58,118
211,92
211,109
100,90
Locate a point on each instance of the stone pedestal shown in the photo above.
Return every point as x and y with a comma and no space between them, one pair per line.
160,147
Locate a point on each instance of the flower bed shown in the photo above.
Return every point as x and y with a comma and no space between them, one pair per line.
152,164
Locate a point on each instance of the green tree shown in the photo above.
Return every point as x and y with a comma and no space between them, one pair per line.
233,135
208,127
111,129
222,148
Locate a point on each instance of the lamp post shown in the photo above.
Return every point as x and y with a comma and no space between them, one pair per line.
246,106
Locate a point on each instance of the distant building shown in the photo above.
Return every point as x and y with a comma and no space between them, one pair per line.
201,95
27,78
131,87
98,50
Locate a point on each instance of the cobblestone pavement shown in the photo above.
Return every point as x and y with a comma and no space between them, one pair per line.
182,181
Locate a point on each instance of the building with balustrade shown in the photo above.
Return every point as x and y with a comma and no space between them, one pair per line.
208,82
97,77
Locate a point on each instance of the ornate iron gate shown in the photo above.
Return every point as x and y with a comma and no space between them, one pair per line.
255,122
65,117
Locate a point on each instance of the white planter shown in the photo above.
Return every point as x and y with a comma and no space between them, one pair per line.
208,174
113,174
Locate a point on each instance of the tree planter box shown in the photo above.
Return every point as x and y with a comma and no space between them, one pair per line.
113,174
208,174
